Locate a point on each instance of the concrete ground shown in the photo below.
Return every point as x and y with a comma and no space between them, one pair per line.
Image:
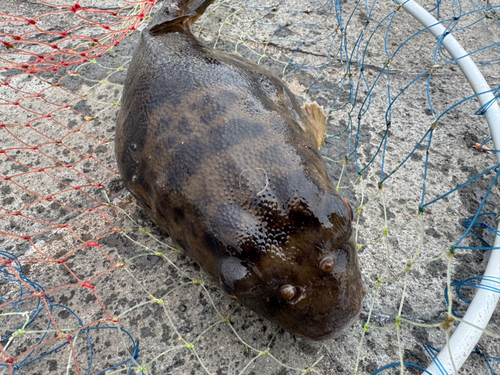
138,297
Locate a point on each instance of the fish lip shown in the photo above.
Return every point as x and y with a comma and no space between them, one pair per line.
332,333
322,327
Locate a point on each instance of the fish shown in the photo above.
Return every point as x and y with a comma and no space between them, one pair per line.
219,153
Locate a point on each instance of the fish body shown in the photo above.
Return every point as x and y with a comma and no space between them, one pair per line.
222,157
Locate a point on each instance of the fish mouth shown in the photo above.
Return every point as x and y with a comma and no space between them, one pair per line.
327,328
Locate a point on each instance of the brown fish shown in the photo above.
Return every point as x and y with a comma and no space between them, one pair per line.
222,157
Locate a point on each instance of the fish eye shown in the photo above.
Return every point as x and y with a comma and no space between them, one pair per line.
288,292
327,264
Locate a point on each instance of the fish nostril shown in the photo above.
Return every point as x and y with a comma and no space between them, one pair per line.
327,264
288,292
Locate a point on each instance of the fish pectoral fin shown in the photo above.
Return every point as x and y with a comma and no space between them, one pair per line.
317,120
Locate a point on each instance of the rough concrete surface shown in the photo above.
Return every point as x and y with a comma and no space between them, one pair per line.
166,313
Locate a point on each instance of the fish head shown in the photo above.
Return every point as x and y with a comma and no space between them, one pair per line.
305,277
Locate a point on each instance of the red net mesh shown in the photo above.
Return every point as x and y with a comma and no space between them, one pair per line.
37,42
53,170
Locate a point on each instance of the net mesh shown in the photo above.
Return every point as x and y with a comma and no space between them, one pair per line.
91,286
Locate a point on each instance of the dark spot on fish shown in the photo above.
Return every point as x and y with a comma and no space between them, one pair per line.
207,103
250,251
288,187
145,176
234,132
213,106
208,117
163,83
188,158
171,141
301,217
211,242
178,214
210,106
194,106
184,127
164,124
163,127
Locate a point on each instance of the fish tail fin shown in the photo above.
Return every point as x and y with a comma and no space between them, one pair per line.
197,6
178,15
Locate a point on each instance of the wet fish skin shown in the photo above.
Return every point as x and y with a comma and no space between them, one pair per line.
222,157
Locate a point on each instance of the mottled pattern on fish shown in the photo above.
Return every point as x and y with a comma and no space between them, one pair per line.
222,157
